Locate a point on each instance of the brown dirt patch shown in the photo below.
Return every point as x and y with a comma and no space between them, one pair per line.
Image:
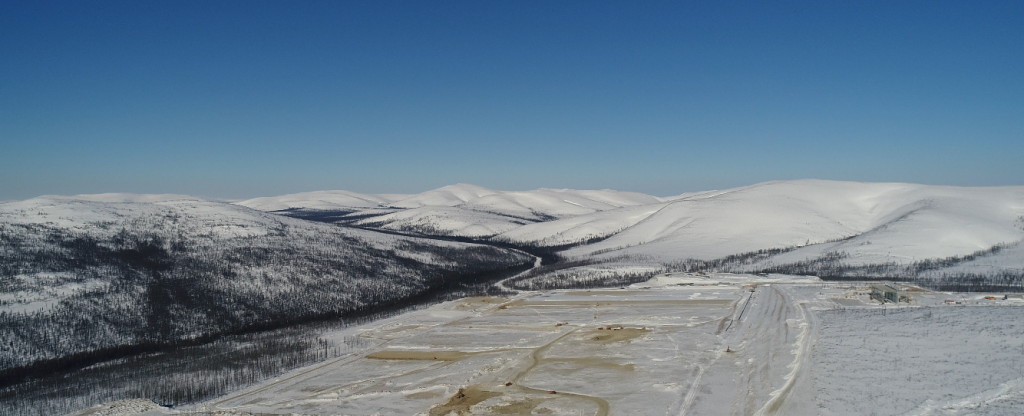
608,336
462,401
511,304
419,355
478,301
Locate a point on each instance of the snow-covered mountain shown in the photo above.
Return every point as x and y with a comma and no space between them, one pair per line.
460,210
83,275
444,221
580,229
865,223
123,197
96,274
319,200
547,204
448,196
873,222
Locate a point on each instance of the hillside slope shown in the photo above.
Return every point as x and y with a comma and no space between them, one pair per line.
444,221
874,221
457,210
80,276
319,200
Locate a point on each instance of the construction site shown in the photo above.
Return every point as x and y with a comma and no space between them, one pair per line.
679,344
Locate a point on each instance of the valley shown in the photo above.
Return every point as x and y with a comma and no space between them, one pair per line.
336,302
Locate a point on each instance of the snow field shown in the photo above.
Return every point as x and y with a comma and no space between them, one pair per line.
539,343
927,361
865,223
795,346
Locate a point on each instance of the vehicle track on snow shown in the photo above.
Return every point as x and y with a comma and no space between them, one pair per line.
535,357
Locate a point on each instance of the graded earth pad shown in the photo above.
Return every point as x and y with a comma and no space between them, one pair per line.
418,355
746,345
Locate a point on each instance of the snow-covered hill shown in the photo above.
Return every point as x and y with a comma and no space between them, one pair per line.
448,196
580,229
444,221
319,200
79,274
864,223
458,210
873,222
546,204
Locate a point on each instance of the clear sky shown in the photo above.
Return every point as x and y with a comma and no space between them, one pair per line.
244,99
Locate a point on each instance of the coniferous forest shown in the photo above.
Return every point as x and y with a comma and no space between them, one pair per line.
82,284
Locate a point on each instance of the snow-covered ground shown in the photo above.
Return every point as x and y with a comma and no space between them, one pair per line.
923,361
697,344
679,344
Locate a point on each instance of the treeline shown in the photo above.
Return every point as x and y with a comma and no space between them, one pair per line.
1004,281
548,253
726,264
831,265
587,273
937,274
178,376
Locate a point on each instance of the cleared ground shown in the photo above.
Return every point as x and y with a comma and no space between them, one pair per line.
677,345
639,350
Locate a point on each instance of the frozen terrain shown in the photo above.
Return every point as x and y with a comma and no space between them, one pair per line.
679,344
858,224
319,200
722,310
873,222
103,274
444,221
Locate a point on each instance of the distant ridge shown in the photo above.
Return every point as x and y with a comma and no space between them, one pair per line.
869,223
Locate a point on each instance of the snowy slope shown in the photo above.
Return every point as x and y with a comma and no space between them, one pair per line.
448,196
108,274
480,212
544,204
868,223
125,197
444,221
319,200
881,221
579,229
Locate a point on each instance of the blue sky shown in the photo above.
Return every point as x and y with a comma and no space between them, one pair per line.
245,99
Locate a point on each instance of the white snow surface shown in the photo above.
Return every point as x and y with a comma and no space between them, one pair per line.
540,204
882,221
451,195
581,228
869,222
558,203
719,344
323,200
127,197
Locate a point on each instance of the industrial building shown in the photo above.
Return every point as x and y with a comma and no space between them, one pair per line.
889,293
